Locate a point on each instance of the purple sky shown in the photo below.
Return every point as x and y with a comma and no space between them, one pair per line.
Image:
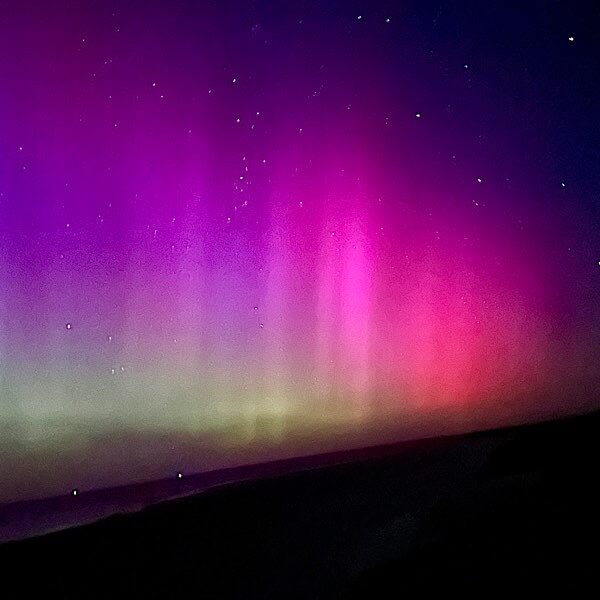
238,231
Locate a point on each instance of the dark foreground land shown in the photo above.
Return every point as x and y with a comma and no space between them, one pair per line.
511,511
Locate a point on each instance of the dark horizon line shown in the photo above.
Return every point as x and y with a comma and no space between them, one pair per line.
17,519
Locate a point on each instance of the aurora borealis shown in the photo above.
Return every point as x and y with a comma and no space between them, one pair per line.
236,231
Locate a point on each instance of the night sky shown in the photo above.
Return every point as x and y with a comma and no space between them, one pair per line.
232,232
